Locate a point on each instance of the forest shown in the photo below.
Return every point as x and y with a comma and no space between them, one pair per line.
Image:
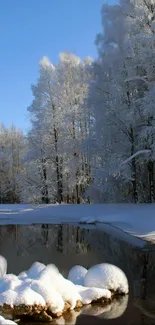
92,122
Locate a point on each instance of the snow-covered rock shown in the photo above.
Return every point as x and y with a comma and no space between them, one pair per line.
92,294
50,295
29,297
45,288
49,273
67,290
22,275
77,274
8,297
107,276
9,281
34,271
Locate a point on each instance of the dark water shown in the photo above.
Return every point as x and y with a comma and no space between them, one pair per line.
65,246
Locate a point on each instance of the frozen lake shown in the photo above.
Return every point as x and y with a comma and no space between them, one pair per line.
137,220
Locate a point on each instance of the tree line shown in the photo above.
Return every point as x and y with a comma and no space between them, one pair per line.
92,134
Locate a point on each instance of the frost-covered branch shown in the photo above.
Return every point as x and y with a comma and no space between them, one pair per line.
138,153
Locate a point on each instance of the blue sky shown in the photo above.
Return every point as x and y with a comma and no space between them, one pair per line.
30,29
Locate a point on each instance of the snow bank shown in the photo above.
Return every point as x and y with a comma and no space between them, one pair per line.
42,289
130,218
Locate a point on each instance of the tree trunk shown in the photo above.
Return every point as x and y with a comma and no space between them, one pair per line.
150,167
151,181
58,163
45,198
60,239
59,181
133,167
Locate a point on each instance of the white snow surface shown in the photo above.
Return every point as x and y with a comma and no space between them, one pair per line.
35,270
9,282
77,274
135,219
3,266
92,294
107,276
42,285
4,321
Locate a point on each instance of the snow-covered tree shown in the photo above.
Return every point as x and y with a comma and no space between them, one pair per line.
121,98
11,142
59,118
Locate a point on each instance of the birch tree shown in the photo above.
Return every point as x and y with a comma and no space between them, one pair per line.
59,118
11,142
119,98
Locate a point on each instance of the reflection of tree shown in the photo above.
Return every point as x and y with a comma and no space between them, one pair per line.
81,241
60,238
71,239
17,234
45,233
145,275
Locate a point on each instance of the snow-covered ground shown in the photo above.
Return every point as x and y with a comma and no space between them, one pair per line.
136,220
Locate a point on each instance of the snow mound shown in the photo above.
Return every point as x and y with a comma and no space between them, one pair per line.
107,276
4,321
68,291
50,295
50,272
34,271
89,295
43,288
29,297
3,266
8,297
9,281
22,275
77,274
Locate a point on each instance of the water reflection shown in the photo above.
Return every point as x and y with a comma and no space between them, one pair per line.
112,311
65,246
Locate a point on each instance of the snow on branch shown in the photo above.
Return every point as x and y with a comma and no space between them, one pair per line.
137,78
140,152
